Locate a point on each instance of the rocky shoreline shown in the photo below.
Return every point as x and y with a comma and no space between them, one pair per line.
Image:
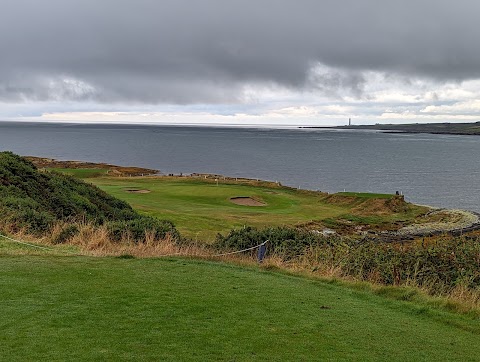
469,221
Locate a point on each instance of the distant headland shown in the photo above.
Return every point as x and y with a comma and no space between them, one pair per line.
434,128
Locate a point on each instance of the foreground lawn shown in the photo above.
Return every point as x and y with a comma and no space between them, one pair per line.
201,209
79,308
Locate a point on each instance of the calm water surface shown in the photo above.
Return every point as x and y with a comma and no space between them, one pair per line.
439,170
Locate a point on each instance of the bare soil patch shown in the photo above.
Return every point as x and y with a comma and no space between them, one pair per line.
136,191
246,201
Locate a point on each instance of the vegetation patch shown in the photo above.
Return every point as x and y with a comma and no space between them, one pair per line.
89,169
38,202
445,266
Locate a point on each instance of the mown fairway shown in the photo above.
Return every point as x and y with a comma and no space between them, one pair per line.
82,172
96,309
200,209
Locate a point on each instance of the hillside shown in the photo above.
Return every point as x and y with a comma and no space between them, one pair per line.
35,202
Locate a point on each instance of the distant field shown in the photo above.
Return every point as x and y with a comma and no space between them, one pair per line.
88,309
201,208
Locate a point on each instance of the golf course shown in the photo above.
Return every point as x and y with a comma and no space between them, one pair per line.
200,207
134,270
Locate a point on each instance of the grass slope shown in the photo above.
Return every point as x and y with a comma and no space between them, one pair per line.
84,309
33,199
201,209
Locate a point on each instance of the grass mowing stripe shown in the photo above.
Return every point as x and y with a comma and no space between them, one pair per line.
58,308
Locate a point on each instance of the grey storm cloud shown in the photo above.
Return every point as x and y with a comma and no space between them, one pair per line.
162,51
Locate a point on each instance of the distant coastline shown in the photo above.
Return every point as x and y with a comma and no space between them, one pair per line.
465,129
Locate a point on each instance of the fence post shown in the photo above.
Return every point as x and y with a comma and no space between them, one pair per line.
262,249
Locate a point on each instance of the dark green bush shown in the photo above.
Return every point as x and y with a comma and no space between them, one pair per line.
287,241
138,228
33,221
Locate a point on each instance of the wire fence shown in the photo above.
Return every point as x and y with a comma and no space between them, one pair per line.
259,246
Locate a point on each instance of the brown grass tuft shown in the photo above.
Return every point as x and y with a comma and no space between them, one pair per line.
95,241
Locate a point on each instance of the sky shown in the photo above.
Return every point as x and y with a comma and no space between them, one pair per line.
262,62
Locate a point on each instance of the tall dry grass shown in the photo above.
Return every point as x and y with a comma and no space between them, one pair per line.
95,240
314,262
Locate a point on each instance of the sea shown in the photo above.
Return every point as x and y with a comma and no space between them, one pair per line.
435,170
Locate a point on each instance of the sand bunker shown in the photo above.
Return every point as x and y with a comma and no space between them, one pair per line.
136,191
246,201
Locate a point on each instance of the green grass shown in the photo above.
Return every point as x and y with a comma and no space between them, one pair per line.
81,172
8,247
201,209
78,308
367,195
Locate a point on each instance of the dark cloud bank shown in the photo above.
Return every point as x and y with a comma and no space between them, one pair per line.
143,51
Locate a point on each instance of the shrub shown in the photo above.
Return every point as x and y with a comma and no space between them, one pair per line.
65,234
33,221
138,229
286,241
440,266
